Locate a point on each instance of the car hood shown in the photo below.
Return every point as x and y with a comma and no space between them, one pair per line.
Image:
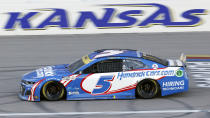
56,71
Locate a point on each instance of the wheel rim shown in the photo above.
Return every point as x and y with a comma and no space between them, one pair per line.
53,91
147,89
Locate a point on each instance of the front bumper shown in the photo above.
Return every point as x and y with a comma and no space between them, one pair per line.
25,92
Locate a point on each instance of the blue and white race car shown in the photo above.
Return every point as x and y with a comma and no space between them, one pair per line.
106,74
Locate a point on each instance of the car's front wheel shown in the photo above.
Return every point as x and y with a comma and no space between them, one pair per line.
53,90
147,89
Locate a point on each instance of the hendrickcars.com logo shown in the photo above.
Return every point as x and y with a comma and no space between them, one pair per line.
161,16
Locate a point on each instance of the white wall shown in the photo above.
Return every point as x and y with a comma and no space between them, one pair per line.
74,7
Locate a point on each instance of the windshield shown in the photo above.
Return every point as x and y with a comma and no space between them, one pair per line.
79,63
155,59
76,65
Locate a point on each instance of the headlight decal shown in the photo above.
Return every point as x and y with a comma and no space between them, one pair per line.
28,82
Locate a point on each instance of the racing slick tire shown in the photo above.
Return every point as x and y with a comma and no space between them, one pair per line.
53,91
147,89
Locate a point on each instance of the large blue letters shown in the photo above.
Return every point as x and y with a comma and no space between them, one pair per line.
58,18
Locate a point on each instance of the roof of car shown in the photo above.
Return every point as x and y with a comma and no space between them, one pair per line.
115,53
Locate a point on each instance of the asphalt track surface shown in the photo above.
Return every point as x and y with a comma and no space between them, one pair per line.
21,54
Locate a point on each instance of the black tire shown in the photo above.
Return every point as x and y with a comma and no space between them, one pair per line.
53,91
147,89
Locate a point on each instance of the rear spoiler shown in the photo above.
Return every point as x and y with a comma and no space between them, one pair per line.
183,57
177,62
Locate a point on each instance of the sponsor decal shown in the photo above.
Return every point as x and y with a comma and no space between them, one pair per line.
173,85
73,92
179,73
68,79
144,74
46,71
174,88
155,66
130,18
36,97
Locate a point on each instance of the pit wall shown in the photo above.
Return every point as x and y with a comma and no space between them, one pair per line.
46,17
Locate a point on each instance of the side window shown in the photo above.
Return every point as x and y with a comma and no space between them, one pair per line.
105,66
131,64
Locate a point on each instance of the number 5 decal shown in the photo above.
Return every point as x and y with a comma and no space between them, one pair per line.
103,85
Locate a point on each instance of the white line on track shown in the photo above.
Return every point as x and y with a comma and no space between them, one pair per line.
103,113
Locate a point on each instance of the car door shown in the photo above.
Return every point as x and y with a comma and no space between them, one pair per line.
97,79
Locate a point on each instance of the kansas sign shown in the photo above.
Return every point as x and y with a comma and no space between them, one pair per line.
59,18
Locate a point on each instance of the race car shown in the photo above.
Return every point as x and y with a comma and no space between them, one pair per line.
106,74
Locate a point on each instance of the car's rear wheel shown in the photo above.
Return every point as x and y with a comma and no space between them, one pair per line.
147,89
53,90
